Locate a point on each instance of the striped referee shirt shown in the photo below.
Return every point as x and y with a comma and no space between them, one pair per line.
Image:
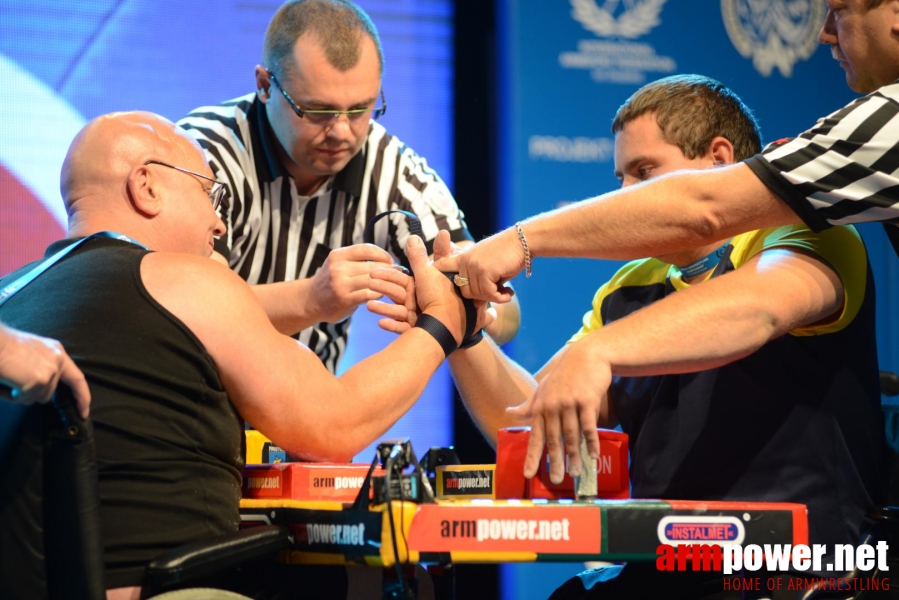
274,234
843,170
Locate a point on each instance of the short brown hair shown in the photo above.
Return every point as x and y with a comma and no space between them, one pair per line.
692,110
338,24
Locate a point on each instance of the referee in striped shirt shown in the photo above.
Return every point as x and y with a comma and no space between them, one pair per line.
843,170
306,167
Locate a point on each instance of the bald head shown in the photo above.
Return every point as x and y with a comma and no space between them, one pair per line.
139,174
104,152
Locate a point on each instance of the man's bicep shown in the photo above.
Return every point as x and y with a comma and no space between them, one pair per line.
257,365
839,250
274,382
743,202
797,289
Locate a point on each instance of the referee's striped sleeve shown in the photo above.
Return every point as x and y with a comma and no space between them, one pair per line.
843,170
420,190
222,132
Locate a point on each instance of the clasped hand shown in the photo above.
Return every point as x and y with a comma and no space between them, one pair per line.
487,265
342,282
430,291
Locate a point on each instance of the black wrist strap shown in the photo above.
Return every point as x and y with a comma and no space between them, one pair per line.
470,337
438,331
471,315
472,340
412,222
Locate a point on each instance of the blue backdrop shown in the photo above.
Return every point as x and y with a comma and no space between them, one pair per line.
567,65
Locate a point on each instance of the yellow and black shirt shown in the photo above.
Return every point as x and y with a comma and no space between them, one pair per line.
797,421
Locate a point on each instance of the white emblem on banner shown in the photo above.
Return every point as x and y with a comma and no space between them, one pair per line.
773,33
617,60
637,19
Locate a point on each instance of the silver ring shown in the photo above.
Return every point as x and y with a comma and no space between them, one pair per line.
460,281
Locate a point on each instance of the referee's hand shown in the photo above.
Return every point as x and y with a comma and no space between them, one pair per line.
342,283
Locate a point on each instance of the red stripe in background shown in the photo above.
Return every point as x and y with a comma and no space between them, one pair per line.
26,227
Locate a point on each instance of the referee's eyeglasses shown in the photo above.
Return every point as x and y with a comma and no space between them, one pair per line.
216,193
326,117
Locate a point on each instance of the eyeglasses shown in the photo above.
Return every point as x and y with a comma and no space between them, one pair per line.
326,117
215,194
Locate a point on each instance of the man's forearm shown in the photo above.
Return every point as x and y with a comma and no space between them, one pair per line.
508,319
379,390
288,305
716,322
489,382
314,415
675,336
675,212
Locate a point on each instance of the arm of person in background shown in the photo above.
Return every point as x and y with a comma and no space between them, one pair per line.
792,179
491,385
674,212
280,386
32,366
714,323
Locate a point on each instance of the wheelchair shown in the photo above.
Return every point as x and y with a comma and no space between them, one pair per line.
52,550
881,522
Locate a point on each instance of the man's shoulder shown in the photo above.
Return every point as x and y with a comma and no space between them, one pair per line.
863,107
382,142
382,147
228,114
843,238
890,92
181,273
227,130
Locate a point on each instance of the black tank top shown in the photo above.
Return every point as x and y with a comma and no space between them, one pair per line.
799,420
169,442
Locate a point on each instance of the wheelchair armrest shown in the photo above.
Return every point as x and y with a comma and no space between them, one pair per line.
181,566
883,513
881,524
